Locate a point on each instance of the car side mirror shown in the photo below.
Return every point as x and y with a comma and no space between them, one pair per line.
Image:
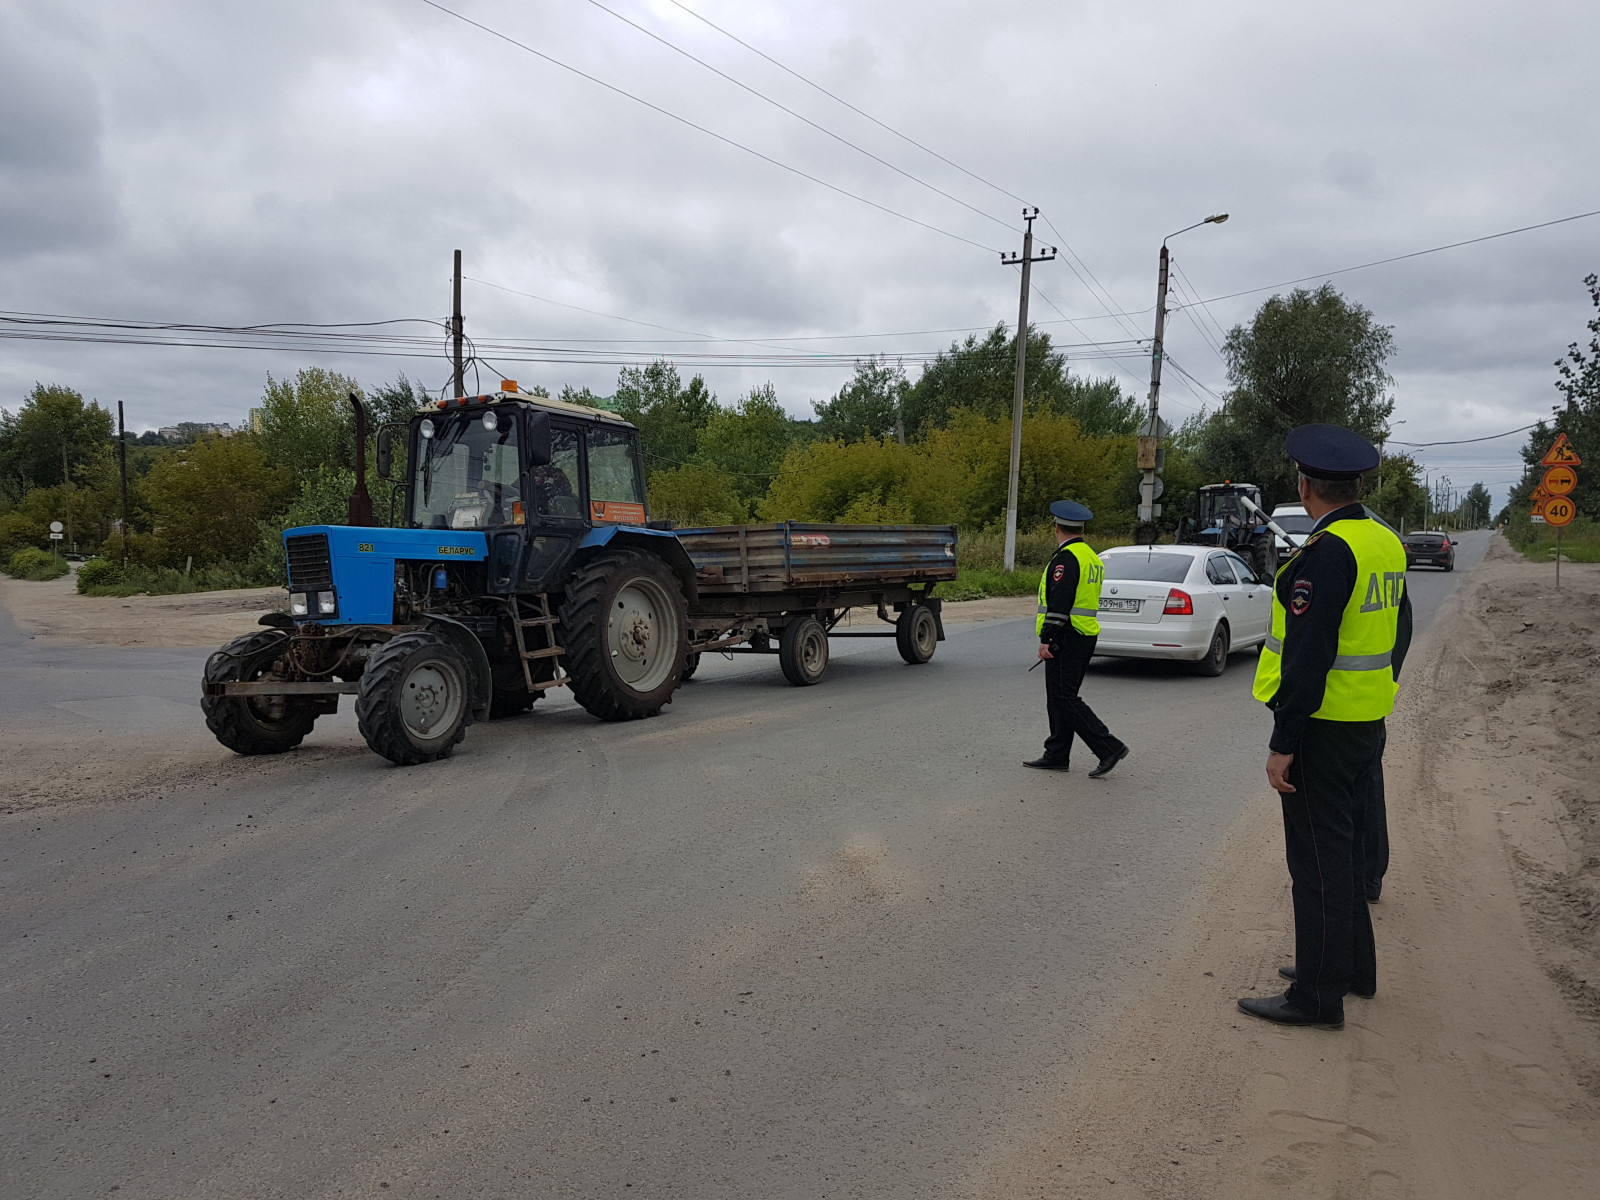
539,445
385,452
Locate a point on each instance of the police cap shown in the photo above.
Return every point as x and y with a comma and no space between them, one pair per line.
1330,451
1070,512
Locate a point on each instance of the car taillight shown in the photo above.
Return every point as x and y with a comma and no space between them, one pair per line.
1178,604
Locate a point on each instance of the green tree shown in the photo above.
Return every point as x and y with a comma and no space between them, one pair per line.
1578,381
747,442
1396,493
1475,507
866,407
980,376
1308,357
52,420
210,500
696,494
1099,406
307,424
669,416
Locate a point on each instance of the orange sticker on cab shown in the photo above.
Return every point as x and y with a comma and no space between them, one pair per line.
616,512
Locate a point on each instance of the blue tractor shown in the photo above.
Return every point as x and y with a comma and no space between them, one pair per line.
523,560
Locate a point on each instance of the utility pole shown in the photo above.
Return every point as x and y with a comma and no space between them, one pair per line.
1150,454
1025,260
122,455
66,478
456,330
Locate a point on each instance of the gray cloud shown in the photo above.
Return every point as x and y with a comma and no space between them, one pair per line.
237,162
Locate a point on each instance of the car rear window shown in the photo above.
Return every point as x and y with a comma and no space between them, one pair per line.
1151,567
1429,541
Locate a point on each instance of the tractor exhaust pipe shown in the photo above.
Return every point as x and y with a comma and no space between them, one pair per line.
360,510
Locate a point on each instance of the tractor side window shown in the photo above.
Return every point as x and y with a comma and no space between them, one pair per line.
555,485
614,494
1218,571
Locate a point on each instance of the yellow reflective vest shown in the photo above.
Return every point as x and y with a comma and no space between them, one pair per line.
1085,602
1361,686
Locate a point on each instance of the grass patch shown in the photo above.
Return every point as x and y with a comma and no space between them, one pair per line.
1580,541
979,583
105,578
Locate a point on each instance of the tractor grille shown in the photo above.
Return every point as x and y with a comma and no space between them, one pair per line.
310,564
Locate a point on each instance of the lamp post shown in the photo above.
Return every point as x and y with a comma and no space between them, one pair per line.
1150,486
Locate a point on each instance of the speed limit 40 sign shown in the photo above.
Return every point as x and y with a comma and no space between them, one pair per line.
1559,510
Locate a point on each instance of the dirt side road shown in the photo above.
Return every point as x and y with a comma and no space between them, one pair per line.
1476,1070
202,619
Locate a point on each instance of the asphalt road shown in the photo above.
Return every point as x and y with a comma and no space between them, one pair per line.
777,942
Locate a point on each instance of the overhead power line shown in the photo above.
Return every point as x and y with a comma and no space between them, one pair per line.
840,100
1464,441
711,133
844,141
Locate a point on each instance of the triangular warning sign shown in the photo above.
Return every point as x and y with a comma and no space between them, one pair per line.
1561,454
1541,494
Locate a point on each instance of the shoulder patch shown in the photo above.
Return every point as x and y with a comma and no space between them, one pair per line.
1060,572
1300,597
1313,539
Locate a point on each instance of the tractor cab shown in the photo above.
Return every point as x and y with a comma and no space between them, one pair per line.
1219,508
1219,516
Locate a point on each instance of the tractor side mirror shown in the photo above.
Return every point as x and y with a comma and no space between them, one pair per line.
540,449
385,451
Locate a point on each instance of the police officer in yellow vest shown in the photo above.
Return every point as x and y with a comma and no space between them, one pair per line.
1068,624
1341,624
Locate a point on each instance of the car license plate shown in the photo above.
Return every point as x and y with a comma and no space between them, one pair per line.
1118,605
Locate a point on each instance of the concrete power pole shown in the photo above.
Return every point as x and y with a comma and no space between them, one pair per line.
122,456
1026,260
456,330
1150,484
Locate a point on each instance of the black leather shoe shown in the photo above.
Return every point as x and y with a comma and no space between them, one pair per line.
1108,762
1290,973
1279,1011
1048,764
1374,890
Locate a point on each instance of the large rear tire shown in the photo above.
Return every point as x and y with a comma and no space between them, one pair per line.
624,624
803,652
254,724
415,702
916,634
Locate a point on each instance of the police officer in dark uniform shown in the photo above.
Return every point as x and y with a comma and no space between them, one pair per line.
1341,625
1067,625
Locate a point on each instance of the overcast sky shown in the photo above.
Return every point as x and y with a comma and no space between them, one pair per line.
318,160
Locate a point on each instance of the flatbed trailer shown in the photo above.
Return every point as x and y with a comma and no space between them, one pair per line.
785,588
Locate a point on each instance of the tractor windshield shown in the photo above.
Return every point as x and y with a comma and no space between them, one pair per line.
467,476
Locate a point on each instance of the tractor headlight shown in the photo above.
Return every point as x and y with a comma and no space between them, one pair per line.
327,603
297,604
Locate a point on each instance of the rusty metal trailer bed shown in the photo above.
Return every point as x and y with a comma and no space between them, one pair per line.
784,588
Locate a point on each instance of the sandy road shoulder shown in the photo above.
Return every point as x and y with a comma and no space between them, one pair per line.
1476,1070
199,619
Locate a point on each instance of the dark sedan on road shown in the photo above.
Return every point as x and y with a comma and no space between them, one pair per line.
1430,549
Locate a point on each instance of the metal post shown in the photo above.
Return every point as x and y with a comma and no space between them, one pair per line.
1558,558
122,454
1026,261
456,330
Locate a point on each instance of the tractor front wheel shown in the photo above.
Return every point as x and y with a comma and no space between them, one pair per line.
254,724
415,703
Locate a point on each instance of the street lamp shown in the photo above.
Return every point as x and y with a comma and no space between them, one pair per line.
1150,486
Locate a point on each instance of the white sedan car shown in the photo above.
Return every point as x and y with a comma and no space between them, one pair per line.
1187,603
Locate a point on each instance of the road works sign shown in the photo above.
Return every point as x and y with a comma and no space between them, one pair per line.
1537,499
1559,511
1561,454
1558,481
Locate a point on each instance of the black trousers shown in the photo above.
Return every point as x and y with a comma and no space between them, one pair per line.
1377,829
1069,715
1324,827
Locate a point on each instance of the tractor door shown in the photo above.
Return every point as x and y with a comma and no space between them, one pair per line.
556,499
615,477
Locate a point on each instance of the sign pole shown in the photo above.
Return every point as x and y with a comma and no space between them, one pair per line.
1558,556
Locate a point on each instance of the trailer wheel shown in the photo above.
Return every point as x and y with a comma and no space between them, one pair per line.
1216,659
803,651
916,634
254,724
624,624
414,705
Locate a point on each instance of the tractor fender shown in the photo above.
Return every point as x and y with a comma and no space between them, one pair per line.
464,640
662,543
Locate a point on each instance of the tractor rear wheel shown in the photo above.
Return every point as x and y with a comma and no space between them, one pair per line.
415,702
624,625
254,724
1264,560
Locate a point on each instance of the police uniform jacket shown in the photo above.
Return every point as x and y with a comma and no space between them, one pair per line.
1069,592
1314,588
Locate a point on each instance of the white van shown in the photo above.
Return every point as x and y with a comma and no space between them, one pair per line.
1292,518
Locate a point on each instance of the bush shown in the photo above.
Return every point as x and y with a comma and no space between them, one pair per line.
169,581
98,572
34,564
